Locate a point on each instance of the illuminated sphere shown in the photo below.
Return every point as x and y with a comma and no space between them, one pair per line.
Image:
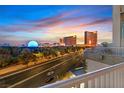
32,44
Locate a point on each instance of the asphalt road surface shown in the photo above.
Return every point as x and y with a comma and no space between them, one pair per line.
42,74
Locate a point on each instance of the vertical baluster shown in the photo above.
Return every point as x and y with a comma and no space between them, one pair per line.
91,83
116,52
104,78
121,52
107,80
116,79
97,82
122,78
111,79
119,78
102,81
86,84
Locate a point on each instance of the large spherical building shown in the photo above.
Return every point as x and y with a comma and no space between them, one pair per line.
33,44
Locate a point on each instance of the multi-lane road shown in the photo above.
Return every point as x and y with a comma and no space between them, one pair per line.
42,74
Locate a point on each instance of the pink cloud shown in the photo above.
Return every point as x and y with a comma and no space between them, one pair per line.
30,26
96,22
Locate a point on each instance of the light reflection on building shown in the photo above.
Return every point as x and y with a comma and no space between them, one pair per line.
90,38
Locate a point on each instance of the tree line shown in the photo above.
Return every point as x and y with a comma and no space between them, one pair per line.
24,55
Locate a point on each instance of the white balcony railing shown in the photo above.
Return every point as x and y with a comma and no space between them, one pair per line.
109,77
118,51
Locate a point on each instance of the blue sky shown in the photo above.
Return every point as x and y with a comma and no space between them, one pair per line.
20,24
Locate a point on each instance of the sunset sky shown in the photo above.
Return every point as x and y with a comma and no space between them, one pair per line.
20,24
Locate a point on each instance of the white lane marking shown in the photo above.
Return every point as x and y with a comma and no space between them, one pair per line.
31,67
36,74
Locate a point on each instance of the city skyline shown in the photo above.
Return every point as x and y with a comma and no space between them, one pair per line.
20,24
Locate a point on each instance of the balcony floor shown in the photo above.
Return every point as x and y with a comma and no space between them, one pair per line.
94,65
